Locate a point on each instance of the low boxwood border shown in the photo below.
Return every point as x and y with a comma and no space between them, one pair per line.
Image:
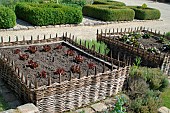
145,13
109,2
108,13
48,14
7,17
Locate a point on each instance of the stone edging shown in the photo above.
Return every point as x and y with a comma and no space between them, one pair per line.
26,108
96,23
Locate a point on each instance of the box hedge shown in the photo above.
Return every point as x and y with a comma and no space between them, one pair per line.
7,17
109,2
146,13
108,13
48,14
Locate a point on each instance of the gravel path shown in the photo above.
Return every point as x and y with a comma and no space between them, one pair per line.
89,32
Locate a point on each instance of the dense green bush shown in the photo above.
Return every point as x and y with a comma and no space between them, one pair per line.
48,14
168,35
144,86
109,2
153,77
108,13
7,17
145,13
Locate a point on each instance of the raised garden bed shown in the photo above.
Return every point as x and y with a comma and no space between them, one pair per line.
53,63
140,42
43,73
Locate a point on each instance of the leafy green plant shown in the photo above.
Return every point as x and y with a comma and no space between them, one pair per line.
144,6
161,40
153,50
3,104
137,62
119,105
146,36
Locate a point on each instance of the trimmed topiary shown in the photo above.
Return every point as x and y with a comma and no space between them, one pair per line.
109,2
146,13
108,12
48,14
7,17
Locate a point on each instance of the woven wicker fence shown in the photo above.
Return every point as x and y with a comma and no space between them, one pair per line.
148,58
59,97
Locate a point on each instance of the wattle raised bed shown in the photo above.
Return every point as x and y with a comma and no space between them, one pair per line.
59,76
141,47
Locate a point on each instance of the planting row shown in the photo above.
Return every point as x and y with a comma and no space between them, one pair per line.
58,61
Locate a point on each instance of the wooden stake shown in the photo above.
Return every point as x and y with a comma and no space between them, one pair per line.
9,39
16,38
112,65
49,80
105,32
26,79
22,78
30,86
95,70
87,72
36,83
44,37
53,59
2,40
59,78
103,67
50,36
79,75
56,36
70,75
31,39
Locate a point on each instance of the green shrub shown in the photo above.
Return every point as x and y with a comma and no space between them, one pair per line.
167,35
153,76
109,2
7,18
108,13
48,14
144,6
145,13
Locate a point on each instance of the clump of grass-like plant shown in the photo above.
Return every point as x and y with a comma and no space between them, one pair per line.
98,46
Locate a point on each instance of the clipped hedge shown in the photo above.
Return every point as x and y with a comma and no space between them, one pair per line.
48,14
7,17
109,2
108,13
146,13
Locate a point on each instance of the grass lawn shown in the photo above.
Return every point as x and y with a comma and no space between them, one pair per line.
3,105
166,97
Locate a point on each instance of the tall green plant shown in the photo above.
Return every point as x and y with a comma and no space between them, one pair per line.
99,46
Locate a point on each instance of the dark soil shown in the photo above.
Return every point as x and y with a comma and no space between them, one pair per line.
45,62
151,42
